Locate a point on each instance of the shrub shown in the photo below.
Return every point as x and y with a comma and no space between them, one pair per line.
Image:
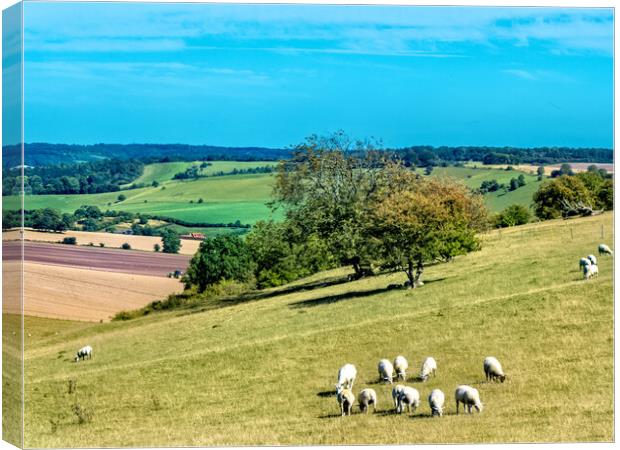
69,240
156,247
126,246
101,244
512,215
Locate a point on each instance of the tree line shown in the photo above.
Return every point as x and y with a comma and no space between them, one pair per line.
84,178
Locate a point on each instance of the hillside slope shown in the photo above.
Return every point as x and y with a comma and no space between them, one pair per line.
263,371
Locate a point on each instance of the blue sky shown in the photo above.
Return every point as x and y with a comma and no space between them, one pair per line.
269,75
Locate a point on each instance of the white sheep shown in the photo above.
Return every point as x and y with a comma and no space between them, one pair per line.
429,366
604,250
401,365
469,397
583,263
83,353
592,259
346,399
493,369
436,401
386,370
346,377
409,397
366,398
396,391
590,271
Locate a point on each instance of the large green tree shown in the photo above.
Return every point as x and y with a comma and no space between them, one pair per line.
421,221
217,259
325,190
551,198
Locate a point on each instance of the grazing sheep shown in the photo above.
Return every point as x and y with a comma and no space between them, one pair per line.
346,400
429,366
493,369
604,250
590,271
346,377
84,352
386,370
436,400
469,397
409,397
401,365
396,391
583,263
592,259
366,398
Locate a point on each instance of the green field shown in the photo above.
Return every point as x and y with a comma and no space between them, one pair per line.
262,371
225,199
496,201
162,172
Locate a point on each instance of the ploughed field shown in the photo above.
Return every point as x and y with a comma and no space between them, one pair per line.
261,369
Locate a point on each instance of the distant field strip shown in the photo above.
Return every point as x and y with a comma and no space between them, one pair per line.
112,260
110,240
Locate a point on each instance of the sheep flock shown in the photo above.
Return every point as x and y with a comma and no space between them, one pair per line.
589,264
408,398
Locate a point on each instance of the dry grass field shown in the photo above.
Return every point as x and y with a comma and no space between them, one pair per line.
261,369
89,295
145,243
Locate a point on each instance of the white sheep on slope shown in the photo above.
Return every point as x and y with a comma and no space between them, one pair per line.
366,398
409,397
493,369
396,391
592,259
436,401
469,397
346,377
590,271
604,250
345,400
386,370
401,365
83,353
583,263
429,367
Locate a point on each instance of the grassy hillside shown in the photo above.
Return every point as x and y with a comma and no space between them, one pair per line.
226,199
161,172
262,371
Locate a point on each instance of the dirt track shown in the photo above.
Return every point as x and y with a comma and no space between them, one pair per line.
110,260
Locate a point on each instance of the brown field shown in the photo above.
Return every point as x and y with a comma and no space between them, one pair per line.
95,258
530,168
88,295
145,243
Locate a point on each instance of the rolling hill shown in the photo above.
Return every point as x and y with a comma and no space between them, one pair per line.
260,369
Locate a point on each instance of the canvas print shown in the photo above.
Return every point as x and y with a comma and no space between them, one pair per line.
306,224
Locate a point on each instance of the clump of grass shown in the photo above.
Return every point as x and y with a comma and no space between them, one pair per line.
155,402
84,415
71,386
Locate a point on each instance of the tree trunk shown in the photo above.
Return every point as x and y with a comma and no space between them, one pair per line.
418,273
410,275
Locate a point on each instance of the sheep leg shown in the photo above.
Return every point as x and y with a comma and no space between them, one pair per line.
457,407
